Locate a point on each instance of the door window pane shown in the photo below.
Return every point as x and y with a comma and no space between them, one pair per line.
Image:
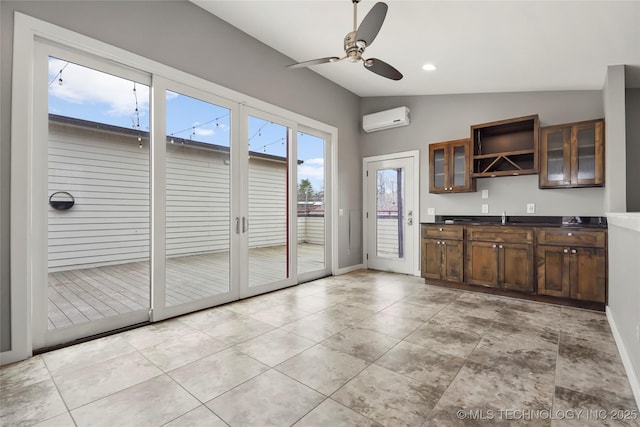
98,187
555,156
390,213
438,166
311,203
586,153
197,199
268,213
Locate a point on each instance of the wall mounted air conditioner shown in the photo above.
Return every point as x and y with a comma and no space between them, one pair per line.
386,119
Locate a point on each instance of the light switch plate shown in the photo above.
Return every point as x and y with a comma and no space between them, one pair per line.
531,208
485,208
485,194
340,212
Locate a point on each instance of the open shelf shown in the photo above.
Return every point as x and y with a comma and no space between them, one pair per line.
506,147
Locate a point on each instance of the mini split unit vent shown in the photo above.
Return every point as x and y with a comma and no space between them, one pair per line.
386,119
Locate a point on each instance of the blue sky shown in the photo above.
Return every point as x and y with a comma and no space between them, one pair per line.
92,95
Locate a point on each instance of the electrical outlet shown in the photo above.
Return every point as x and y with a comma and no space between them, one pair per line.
485,194
431,211
531,208
485,208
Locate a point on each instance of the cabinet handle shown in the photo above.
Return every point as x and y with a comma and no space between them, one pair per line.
444,243
501,246
494,246
441,229
573,251
566,251
569,234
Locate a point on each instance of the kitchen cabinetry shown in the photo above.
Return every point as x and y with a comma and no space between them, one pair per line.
443,252
500,257
572,263
572,155
505,147
449,167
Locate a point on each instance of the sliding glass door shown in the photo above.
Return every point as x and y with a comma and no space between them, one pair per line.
162,198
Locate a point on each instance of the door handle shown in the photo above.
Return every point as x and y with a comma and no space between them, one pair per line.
237,225
245,224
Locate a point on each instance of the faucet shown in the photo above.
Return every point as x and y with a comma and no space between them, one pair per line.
504,217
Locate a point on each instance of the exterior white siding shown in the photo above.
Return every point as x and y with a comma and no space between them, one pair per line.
108,175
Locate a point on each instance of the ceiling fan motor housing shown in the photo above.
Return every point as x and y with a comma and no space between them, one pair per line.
353,48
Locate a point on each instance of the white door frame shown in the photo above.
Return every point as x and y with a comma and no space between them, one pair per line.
415,156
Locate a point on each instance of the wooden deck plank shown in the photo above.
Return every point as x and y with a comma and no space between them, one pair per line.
82,295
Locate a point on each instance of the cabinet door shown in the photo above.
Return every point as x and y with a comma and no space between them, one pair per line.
588,274
516,267
553,271
482,263
555,159
431,259
460,167
438,168
587,149
452,260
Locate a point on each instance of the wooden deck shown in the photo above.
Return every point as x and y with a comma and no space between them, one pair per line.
84,295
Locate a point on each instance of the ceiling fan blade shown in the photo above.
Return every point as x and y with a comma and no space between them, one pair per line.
371,24
314,62
382,68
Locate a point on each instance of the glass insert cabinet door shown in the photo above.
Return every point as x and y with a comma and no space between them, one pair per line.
450,168
572,155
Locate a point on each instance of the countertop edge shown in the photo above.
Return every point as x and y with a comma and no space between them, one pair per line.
629,220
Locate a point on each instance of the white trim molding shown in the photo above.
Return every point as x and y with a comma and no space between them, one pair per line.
634,380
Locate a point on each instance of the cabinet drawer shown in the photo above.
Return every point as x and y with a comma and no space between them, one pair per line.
453,232
501,234
572,237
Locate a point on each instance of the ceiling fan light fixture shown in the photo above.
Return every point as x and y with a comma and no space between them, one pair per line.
429,67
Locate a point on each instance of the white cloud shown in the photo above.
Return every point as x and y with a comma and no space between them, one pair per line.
315,174
204,132
83,85
317,161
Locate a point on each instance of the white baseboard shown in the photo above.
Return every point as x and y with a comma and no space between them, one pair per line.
626,360
346,270
11,356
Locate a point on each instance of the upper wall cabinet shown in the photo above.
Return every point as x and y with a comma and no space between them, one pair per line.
572,155
505,147
449,166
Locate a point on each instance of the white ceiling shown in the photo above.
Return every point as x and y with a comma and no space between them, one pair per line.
478,46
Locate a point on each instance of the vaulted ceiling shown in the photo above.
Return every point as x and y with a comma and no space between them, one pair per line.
477,46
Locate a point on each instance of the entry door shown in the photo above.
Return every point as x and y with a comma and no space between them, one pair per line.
391,219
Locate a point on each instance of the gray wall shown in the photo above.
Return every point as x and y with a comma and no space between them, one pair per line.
615,197
436,118
632,101
624,285
181,35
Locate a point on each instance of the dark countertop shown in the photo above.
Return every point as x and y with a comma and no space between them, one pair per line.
526,221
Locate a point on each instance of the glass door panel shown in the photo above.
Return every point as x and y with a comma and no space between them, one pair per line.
390,213
99,206
198,199
267,224
586,153
439,168
459,166
311,203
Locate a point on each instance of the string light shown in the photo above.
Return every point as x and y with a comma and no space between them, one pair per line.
58,76
194,127
136,118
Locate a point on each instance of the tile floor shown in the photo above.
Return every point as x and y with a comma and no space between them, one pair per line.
363,349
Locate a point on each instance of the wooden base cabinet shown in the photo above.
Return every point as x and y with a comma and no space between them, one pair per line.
572,264
500,265
443,253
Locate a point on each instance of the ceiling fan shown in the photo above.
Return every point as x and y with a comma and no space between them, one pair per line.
357,40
